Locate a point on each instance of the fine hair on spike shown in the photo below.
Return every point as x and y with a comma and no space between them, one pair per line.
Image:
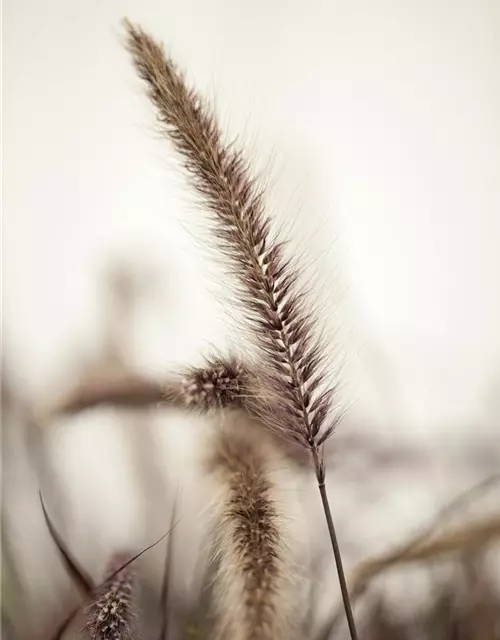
252,580
292,397
113,611
216,385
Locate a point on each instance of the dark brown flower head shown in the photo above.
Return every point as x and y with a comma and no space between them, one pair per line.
291,397
112,613
217,385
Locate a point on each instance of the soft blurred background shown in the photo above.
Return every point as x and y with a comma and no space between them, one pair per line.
377,126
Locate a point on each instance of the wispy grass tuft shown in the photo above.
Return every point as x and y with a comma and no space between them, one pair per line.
252,580
111,611
294,398
290,395
220,383
112,614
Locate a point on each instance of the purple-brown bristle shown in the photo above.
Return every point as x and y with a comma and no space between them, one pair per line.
112,613
252,581
290,396
217,385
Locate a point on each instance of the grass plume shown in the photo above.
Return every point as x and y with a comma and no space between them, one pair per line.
113,611
267,290
291,397
252,578
220,383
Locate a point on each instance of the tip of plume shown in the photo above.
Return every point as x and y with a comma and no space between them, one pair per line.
127,23
215,386
112,612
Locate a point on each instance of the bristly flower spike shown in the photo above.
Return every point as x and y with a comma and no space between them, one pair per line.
113,611
291,397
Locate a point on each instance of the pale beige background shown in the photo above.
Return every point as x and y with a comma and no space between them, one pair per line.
381,119
382,116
